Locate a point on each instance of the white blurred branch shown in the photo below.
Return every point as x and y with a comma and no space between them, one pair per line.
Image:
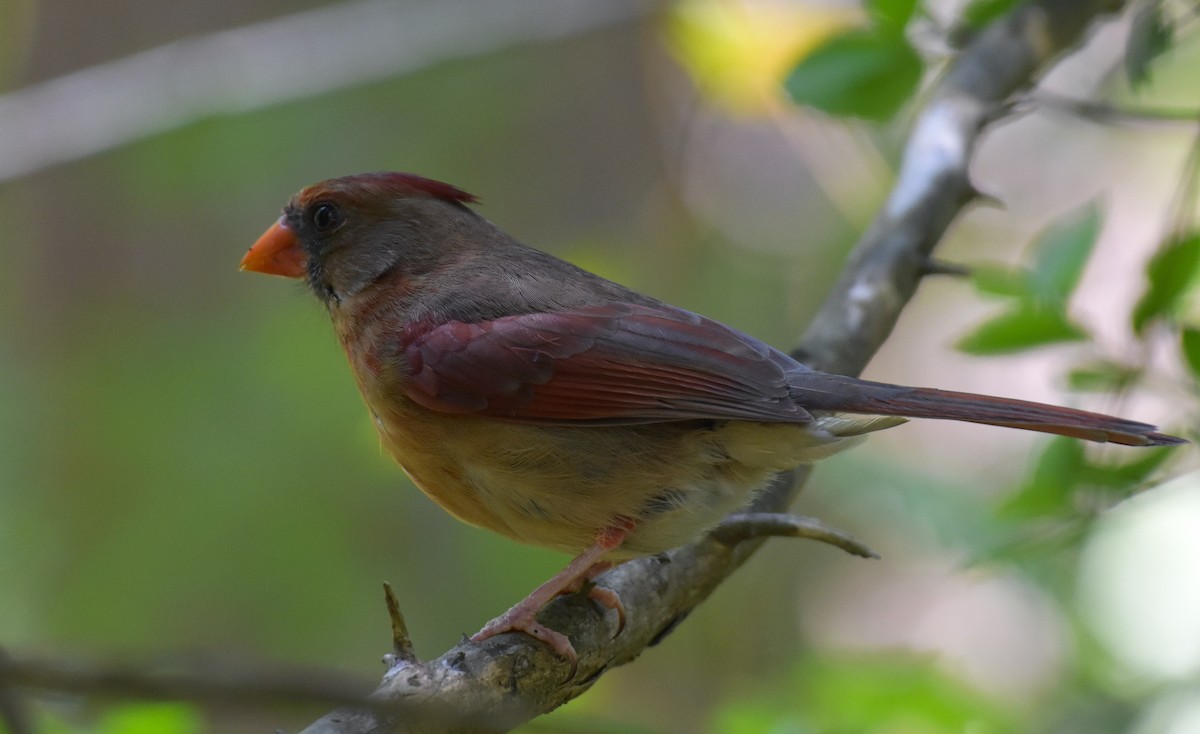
271,62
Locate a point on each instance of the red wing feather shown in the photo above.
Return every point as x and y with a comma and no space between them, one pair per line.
613,364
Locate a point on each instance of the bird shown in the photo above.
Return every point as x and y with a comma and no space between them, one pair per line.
533,398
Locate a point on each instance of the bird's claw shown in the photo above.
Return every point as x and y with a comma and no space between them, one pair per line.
608,599
523,619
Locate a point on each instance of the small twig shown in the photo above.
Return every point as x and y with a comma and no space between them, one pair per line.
746,526
1183,202
402,646
224,688
254,689
1106,113
988,200
933,266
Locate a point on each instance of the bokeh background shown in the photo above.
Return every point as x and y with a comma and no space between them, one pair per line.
188,478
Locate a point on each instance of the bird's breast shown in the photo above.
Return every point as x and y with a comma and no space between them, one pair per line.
560,486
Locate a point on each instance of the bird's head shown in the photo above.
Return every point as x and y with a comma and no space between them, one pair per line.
343,234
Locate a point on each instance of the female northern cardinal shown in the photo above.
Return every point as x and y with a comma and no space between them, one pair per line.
531,397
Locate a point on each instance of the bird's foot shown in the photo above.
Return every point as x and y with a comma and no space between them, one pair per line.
580,571
523,618
603,596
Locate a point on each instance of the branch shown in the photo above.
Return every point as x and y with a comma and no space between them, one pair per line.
247,688
512,678
1105,113
402,647
265,64
744,526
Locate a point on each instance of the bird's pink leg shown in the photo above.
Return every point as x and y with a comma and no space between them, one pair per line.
523,616
606,598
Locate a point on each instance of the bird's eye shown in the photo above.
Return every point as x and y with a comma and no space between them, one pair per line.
326,217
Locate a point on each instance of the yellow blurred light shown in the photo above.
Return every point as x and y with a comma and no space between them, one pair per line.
740,51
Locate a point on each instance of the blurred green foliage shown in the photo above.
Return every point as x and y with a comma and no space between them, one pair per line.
1149,37
1171,274
1040,292
854,694
139,718
976,14
867,74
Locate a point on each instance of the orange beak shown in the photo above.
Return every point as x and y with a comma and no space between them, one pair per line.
277,252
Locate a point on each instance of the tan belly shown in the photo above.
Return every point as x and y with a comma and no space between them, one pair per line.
558,486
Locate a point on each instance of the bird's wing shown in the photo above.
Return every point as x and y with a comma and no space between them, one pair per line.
613,364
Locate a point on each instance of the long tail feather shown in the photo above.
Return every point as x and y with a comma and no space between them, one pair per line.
838,393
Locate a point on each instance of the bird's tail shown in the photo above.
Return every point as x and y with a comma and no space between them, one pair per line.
837,393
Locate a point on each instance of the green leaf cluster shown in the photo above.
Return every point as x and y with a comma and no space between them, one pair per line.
867,73
978,13
1068,485
1039,293
1063,467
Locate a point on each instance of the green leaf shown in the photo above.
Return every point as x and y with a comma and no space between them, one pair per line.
1149,37
1063,468
1049,489
857,74
1189,344
891,16
1171,271
1025,327
979,13
1102,376
1041,549
1000,280
1130,474
1062,251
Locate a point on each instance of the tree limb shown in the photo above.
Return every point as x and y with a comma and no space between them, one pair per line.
1106,113
743,526
247,688
233,71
